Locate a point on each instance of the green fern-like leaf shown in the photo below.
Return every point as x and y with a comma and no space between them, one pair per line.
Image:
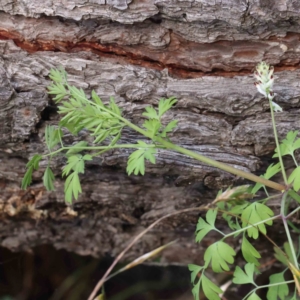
281,290
210,290
244,277
219,254
136,160
52,136
270,172
169,128
255,213
195,270
72,187
249,252
152,127
32,165
164,105
203,228
150,113
48,179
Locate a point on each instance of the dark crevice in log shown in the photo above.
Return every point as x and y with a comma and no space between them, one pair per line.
46,114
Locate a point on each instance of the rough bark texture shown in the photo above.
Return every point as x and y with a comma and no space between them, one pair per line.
202,52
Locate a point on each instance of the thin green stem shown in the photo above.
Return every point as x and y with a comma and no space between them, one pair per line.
267,286
206,160
294,195
250,226
276,141
266,191
251,292
221,166
99,153
295,160
263,201
295,293
275,284
138,146
118,146
293,212
270,197
222,233
60,140
287,231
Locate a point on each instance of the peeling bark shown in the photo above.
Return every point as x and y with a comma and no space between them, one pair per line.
139,52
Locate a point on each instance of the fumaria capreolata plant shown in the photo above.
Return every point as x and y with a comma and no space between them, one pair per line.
246,216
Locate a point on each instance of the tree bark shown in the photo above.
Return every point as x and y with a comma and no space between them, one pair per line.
201,52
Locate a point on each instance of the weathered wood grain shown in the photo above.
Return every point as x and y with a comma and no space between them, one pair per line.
171,44
201,52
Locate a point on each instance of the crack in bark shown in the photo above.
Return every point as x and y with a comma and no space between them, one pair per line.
111,51
117,52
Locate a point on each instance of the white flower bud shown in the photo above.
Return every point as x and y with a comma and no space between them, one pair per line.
265,81
276,107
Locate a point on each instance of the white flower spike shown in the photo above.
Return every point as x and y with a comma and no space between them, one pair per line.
264,83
